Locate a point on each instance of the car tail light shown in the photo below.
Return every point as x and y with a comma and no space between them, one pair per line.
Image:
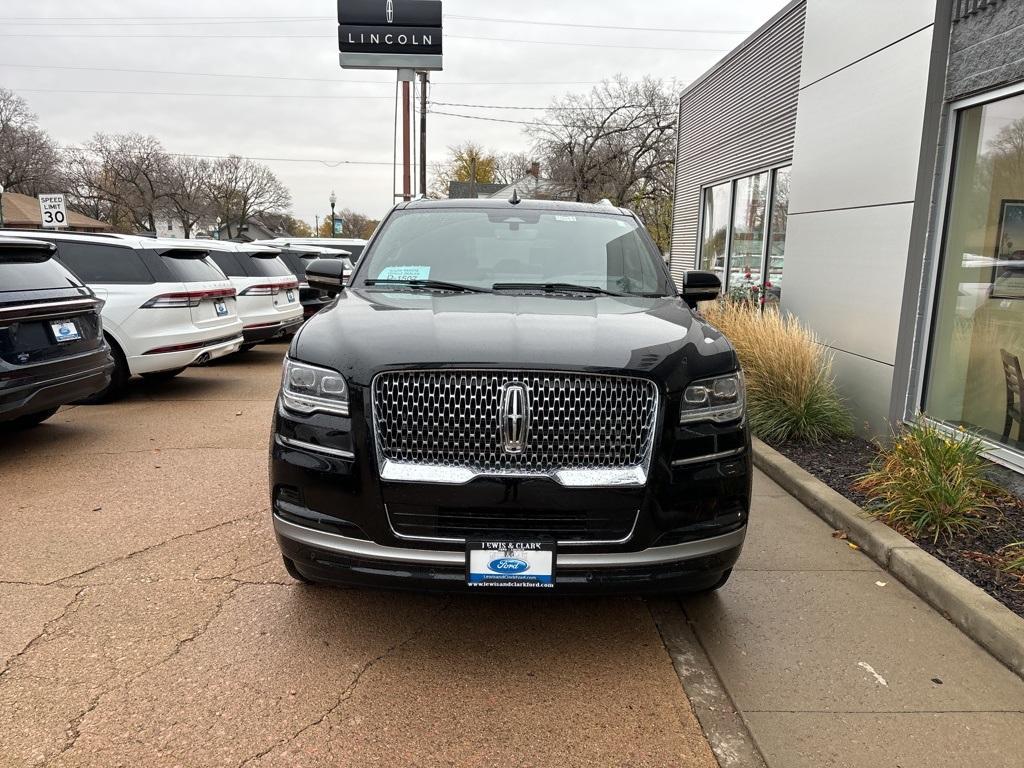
269,289
187,299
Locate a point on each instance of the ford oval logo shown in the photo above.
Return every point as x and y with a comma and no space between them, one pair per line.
508,565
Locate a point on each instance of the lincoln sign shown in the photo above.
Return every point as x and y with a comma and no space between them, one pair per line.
390,34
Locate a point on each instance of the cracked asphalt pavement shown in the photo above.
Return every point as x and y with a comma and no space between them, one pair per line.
147,620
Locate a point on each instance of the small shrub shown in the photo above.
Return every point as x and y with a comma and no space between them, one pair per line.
930,483
791,393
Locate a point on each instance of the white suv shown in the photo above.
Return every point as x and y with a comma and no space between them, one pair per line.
167,307
268,292
352,246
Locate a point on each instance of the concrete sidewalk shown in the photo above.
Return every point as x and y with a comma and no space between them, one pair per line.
832,662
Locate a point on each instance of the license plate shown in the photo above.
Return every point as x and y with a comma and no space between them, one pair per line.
291,296
65,330
510,564
221,308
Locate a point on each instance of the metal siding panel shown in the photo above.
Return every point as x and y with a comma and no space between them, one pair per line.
740,119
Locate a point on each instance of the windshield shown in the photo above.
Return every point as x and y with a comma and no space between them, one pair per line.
484,248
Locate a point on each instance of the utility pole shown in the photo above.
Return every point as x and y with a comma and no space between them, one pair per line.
424,79
406,146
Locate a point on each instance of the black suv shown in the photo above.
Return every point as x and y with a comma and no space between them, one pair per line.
52,350
511,394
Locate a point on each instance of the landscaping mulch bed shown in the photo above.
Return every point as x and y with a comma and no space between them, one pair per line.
973,555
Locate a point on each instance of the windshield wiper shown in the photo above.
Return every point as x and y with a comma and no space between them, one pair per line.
554,288
439,285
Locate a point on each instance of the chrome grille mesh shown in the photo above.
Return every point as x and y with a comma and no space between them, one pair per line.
453,419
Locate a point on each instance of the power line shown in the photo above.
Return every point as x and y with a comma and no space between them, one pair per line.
331,37
615,27
115,21
505,106
276,77
329,163
487,119
315,97
588,45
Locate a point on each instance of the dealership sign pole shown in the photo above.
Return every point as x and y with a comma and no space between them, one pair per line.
404,35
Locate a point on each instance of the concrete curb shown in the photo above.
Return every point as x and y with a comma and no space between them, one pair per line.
980,616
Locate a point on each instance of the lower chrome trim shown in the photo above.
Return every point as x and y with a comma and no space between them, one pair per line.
301,445
709,457
405,472
442,540
342,545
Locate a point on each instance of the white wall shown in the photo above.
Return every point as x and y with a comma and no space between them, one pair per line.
858,140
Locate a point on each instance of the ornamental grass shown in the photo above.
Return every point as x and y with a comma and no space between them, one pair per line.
930,482
791,392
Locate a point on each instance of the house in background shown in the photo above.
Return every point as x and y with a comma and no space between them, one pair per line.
533,187
862,165
471,190
22,212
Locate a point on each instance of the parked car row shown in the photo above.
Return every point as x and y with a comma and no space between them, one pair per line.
81,314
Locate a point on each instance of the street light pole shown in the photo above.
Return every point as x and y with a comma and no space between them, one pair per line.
334,222
1,206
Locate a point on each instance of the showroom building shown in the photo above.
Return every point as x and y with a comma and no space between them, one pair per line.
862,165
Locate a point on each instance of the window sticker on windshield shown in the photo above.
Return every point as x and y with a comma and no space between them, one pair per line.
565,218
404,273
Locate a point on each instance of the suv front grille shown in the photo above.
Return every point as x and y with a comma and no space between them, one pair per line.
564,526
452,420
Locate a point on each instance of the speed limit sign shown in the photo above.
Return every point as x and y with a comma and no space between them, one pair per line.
53,211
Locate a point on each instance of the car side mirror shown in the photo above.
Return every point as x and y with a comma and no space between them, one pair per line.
326,275
699,285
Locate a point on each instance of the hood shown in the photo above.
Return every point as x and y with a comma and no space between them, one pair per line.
368,330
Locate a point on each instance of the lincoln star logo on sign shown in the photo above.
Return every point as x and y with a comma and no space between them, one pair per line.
391,12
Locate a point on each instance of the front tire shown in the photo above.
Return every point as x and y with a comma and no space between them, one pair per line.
30,420
289,565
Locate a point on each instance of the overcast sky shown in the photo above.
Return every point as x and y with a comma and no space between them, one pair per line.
348,115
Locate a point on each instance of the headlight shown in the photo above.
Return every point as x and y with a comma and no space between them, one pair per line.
308,389
719,399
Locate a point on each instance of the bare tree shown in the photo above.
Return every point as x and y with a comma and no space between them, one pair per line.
510,167
617,142
29,161
123,179
188,194
240,189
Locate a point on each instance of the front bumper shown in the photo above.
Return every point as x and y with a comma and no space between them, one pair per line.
333,558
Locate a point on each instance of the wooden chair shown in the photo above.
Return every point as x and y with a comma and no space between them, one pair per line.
1014,395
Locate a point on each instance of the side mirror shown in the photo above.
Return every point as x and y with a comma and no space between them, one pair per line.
699,285
326,275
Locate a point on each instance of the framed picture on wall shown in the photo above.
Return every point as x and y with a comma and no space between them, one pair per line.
1008,271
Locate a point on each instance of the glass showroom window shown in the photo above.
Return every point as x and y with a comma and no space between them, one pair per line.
715,229
750,203
777,238
977,344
